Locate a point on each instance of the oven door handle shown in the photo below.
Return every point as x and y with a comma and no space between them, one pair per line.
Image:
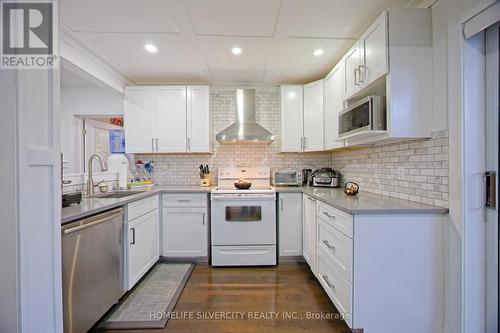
249,198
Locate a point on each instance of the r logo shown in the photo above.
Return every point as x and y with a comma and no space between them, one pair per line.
27,28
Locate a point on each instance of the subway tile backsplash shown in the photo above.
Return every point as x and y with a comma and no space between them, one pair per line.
424,164
182,169
375,169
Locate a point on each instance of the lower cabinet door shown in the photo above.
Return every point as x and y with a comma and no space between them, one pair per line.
309,232
143,247
290,224
185,232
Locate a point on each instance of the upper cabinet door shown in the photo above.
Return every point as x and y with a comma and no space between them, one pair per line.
334,93
373,47
313,116
171,120
198,119
352,70
292,113
139,121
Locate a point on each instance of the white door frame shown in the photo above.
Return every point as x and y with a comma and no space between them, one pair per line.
492,135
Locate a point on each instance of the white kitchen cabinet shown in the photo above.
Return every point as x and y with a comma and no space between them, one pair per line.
171,119
198,120
141,239
334,97
371,259
185,226
351,62
290,224
309,231
185,233
313,116
140,119
167,119
292,119
374,54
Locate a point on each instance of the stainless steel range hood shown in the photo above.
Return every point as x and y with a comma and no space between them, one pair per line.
245,129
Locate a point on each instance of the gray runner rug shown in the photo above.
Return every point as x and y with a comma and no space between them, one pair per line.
145,306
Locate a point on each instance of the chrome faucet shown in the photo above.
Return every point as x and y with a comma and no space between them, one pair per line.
90,181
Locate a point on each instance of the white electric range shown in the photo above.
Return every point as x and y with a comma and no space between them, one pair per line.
243,222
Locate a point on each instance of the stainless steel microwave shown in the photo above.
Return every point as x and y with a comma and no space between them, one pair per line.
369,114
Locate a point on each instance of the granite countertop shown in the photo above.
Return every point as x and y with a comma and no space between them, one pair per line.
91,206
364,202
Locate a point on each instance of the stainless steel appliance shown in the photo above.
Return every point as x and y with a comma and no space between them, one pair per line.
245,129
92,262
369,114
243,222
287,178
326,177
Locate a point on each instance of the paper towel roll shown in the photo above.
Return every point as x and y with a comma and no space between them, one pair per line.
122,175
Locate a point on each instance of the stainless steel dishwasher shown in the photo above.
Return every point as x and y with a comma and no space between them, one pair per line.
92,261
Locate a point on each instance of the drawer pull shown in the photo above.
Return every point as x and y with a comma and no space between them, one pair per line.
311,199
328,245
183,200
329,215
327,281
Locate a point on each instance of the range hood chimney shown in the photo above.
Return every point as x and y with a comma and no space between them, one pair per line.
245,129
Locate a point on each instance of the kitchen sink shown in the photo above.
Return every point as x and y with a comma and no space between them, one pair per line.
115,194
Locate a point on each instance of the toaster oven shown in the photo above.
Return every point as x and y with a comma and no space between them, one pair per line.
287,178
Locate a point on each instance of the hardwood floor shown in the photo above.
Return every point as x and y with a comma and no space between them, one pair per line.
250,293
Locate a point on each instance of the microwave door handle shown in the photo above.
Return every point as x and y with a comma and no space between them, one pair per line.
370,112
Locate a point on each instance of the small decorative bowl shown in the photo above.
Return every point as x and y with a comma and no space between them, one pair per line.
242,186
351,188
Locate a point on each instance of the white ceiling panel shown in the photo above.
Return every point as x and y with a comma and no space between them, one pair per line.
234,17
339,18
194,37
121,15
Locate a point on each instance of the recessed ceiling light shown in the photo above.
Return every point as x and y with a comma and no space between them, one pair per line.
236,50
150,48
318,52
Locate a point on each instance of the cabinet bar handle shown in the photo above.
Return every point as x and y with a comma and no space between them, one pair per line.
311,199
133,236
152,144
328,281
189,144
356,70
203,218
281,202
328,245
328,215
156,144
362,73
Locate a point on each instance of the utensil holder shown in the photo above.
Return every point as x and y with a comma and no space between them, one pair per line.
206,180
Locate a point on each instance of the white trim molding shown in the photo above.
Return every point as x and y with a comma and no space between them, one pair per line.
77,55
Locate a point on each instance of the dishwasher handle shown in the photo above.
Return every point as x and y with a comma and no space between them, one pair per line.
91,221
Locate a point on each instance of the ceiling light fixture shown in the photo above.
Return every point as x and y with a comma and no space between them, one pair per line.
150,48
236,50
318,52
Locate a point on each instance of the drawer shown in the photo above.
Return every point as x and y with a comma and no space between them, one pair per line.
338,248
185,199
336,286
141,207
338,219
251,255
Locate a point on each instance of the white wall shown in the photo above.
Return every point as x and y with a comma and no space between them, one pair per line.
82,100
447,101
